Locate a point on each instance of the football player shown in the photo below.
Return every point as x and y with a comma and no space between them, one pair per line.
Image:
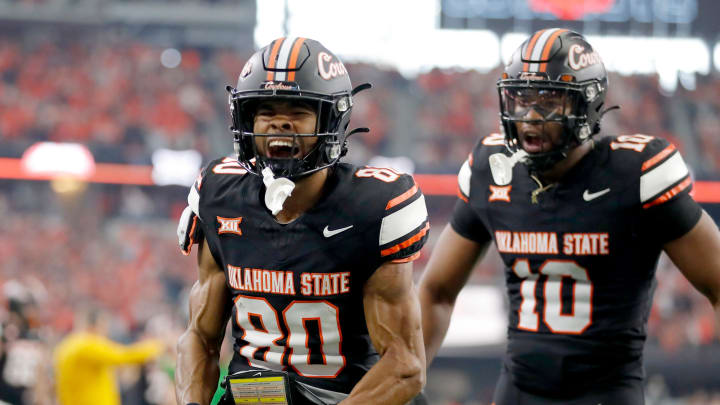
579,222
310,259
21,349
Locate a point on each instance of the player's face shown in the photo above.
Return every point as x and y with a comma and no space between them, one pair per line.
536,108
284,119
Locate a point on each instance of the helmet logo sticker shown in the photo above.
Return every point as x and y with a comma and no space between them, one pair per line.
328,69
276,86
579,60
246,70
531,76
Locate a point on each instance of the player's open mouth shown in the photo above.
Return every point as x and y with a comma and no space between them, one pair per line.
283,148
534,142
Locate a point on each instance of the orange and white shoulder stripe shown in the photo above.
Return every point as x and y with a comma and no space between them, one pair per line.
406,225
402,197
538,49
284,54
663,177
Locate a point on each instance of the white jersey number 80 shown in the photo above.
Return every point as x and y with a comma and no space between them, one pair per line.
295,317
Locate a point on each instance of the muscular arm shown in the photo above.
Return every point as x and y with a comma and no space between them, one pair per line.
199,346
450,265
697,255
392,312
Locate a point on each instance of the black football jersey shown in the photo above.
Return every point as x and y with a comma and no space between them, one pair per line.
297,288
580,255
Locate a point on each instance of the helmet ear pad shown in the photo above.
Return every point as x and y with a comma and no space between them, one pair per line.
333,150
335,144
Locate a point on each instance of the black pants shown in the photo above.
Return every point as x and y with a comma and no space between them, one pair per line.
625,392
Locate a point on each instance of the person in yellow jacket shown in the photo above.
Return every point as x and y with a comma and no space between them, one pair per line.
85,362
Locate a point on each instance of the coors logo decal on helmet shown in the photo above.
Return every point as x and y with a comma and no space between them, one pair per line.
328,68
579,59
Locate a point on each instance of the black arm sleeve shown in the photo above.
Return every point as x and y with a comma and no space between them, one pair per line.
673,219
467,224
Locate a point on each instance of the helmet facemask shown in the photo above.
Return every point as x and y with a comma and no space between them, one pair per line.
545,103
332,118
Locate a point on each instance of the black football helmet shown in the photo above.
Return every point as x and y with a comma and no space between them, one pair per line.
294,69
557,74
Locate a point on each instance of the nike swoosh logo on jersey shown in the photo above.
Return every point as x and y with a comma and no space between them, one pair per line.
588,196
328,233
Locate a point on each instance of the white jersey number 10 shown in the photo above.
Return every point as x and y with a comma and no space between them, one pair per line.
557,271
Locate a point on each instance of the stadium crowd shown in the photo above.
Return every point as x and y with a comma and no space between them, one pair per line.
114,246
118,98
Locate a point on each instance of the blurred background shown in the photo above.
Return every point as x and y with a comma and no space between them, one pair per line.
108,109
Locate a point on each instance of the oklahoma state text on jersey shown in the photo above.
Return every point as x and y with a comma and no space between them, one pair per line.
297,289
580,256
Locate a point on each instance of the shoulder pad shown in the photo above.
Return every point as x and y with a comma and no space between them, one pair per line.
398,202
404,226
662,170
386,189
214,173
478,161
225,165
494,139
189,230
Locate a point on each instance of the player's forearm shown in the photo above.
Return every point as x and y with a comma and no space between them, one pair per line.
436,315
396,379
197,370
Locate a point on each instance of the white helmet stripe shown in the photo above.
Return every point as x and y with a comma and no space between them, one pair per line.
283,56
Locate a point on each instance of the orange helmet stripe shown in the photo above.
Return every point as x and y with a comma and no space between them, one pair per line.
548,47
294,57
529,49
273,56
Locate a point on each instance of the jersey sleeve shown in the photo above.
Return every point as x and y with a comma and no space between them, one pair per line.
665,184
404,226
189,230
465,220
